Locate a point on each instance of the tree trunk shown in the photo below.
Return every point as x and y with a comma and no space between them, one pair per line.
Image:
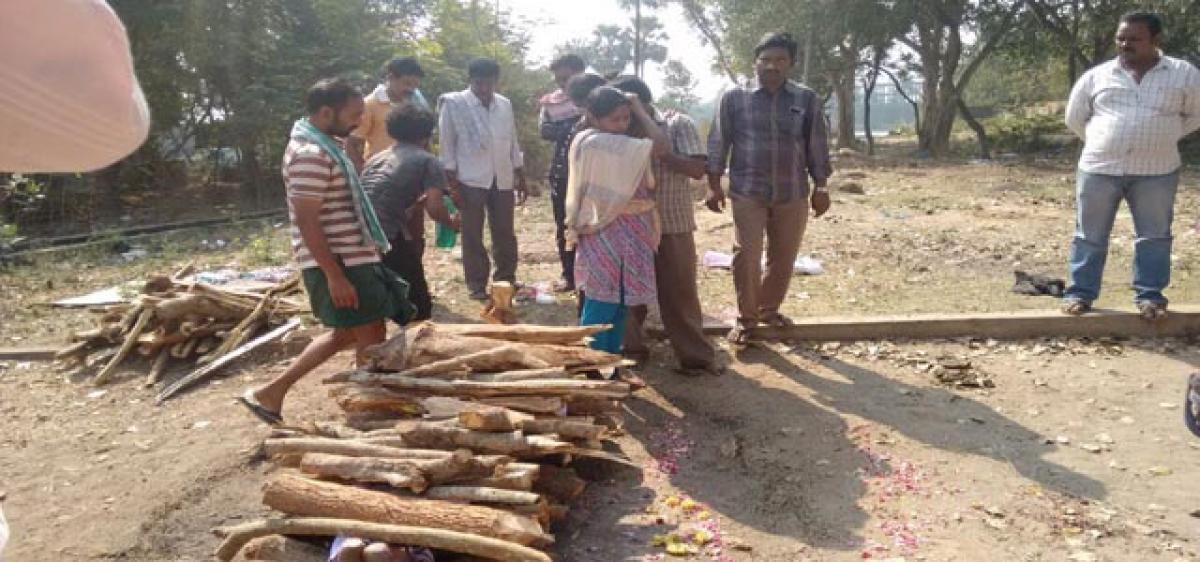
299,496
985,149
843,91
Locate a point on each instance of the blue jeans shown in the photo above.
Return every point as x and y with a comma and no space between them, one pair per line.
1151,201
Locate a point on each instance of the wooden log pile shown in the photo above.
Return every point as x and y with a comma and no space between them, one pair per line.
457,438
175,322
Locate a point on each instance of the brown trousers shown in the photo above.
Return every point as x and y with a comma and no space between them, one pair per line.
759,295
678,304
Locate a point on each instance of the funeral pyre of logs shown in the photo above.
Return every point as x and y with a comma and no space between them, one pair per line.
456,438
175,321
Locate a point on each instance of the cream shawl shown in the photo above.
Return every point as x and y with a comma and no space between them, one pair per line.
605,170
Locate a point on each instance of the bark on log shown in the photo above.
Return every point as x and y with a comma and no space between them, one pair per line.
440,539
572,388
479,494
516,476
299,496
525,333
493,419
529,404
562,484
514,443
565,429
343,447
359,399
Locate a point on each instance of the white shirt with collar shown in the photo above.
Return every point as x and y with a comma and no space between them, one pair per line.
1132,128
478,164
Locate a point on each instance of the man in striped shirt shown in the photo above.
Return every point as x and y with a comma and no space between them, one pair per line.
1131,113
332,243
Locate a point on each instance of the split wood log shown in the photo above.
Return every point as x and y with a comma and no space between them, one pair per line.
514,443
563,428
359,398
529,404
572,388
441,539
562,484
445,407
143,320
499,309
243,330
515,476
181,307
479,494
393,440
278,548
525,333
413,474
539,512
523,375
157,369
343,447
131,318
183,350
590,406
493,419
210,368
425,344
333,429
298,496
396,473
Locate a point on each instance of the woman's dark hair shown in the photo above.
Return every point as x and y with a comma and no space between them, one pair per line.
483,68
777,39
580,86
634,85
406,66
329,92
410,123
605,100
1151,20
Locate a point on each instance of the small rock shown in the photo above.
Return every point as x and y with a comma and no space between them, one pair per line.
1091,448
96,394
1166,405
1082,556
1105,438
1156,508
1062,440
201,424
852,187
1127,420
1160,471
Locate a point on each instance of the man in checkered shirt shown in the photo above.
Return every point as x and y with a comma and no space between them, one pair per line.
675,260
1130,112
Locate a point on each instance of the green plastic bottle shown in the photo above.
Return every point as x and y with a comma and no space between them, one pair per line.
446,237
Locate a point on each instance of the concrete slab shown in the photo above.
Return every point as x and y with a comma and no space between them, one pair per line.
1183,320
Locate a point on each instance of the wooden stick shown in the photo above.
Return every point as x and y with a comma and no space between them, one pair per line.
130,341
514,443
513,476
156,370
299,496
479,494
393,472
522,375
201,373
525,333
530,404
570,387
243,330
441,539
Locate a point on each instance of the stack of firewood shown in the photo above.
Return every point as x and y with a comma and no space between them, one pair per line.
175,321
457,438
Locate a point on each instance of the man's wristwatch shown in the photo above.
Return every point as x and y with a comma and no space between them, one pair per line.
820,189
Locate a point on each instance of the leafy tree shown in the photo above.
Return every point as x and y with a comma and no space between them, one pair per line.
680,87
611,48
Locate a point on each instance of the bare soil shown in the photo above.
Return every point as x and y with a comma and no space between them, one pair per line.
832,452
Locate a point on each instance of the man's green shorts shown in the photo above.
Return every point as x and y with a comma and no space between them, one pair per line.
381,295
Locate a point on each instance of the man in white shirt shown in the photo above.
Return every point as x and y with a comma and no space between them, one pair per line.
483,162
1131,113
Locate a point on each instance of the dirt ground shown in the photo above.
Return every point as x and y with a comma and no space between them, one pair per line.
810,452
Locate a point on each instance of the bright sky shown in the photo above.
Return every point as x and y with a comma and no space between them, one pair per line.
558,21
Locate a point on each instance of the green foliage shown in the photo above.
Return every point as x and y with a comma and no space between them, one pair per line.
610,49
1024,131
679,86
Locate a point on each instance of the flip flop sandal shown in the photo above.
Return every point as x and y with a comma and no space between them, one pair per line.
1152,311
1076,307
778,320
1191,409
739,336
251,403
